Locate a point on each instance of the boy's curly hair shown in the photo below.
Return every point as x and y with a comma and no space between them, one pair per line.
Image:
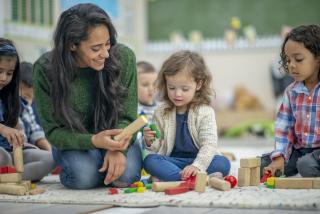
309,35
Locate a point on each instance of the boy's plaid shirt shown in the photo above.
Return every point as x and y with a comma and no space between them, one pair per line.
33,131
298,120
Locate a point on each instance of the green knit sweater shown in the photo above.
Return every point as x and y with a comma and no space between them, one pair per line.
82,99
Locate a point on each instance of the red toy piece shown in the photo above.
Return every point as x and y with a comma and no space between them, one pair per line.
185,186
190,182
133,185
266,175
113,191
7,169
176,190
232,180
56,171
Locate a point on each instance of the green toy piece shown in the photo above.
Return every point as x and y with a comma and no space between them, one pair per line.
154,127
131,190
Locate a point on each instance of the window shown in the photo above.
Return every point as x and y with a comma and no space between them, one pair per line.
38,12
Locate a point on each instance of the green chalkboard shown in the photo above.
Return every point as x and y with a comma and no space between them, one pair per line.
212,17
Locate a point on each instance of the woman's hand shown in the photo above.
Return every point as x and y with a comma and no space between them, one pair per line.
148,135
114,164
276,164
189,171
14,136
103,140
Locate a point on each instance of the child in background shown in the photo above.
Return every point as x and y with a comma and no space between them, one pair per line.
297,129
186,120
38,163
147,76
32,129
26,86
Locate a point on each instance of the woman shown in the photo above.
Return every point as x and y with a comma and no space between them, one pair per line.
86,90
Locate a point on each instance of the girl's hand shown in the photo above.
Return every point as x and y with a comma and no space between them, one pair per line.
14,136
148,135
276,164
114,164
103,140
189,171
43,144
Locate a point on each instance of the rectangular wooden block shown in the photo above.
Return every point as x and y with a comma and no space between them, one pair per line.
255,176
243,177
201,182
316,183
18,158
7,169
25,183
250,162
12,189
294,183
10,178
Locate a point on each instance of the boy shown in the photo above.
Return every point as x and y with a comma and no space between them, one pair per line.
33,131
147,76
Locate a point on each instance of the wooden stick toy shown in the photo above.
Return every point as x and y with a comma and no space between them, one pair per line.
132,128
219,184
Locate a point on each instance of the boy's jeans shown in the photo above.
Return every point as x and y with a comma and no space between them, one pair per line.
80,169
306,162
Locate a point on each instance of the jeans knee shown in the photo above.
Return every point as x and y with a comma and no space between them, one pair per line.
220,164
226,165
77,178
304,168
149,161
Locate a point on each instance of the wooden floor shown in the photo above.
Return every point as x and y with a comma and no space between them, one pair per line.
19,208
31,208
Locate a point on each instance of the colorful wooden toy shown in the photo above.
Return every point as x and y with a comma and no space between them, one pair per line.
232,180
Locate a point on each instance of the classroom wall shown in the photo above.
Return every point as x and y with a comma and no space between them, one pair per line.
247,67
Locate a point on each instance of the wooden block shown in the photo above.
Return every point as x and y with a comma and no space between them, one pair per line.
7,169
243,177
132,128
219,184
27,184
201,182
36,191
316,183
12,189
294,183
250,162
255,176
176,190
161,186
18,158
10,178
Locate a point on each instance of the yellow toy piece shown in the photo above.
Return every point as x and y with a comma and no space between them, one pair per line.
139,184
271,181
144,173
33,186
141,189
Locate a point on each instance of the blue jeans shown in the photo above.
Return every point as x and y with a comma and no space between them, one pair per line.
80,169
168,168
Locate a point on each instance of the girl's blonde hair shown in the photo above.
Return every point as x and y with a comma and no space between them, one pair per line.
192,63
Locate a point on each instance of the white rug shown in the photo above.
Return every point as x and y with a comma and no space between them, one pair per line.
245,197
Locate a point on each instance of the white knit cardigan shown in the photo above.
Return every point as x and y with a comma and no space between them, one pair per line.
202,127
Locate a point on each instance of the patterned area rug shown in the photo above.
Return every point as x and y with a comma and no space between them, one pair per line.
246,197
